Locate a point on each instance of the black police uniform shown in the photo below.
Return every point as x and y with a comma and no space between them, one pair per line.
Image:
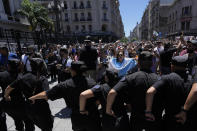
14,108
89,56
136,85
174,94
190,124
110,123
3,126
70,91
165,60
39,112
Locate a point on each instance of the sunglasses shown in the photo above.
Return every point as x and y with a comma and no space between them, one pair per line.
120,54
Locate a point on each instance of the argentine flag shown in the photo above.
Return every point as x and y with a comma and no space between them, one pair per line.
122,68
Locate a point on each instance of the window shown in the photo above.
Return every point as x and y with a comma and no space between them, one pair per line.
76,27
104,28
68,28
81,5
190,10
66,16
183,10
186,10
183,26
90,28
173,16
65,5
187,25
6,4
88,4
104,5
176,14
75,5
89,16
170,18
76,17
104,16
82,17
83,28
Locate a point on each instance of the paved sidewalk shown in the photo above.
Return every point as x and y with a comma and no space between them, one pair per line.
61,116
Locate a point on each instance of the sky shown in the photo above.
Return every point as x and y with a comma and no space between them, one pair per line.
131,12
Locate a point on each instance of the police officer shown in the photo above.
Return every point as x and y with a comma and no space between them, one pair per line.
136,85
173,88
109,123
70,90
89,56
14,108
3,126
185,115
31,84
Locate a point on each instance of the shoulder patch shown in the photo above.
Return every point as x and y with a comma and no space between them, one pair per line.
96,86
123,79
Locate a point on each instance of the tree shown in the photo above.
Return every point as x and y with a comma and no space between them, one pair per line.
36,14
124,40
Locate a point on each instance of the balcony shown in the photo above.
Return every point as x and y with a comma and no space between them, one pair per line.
75,7
105,19
89,19
82,19
81,7
88,7
105,7
76,20
11,18
186,15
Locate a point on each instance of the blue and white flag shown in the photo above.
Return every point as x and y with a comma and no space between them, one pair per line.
124,67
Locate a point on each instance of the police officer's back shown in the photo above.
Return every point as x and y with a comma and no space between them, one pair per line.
70,91
30,84
136,85
100,92
174,88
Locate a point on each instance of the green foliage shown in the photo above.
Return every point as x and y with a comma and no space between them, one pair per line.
36,14
133,39
124,40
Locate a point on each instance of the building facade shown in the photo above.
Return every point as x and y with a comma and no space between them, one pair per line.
169,18
8,17
97,18
182,17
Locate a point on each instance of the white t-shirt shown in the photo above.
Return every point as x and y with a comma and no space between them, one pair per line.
26,62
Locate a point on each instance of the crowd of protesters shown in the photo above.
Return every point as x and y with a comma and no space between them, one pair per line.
147,85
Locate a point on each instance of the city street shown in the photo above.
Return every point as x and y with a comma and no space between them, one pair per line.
61,116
